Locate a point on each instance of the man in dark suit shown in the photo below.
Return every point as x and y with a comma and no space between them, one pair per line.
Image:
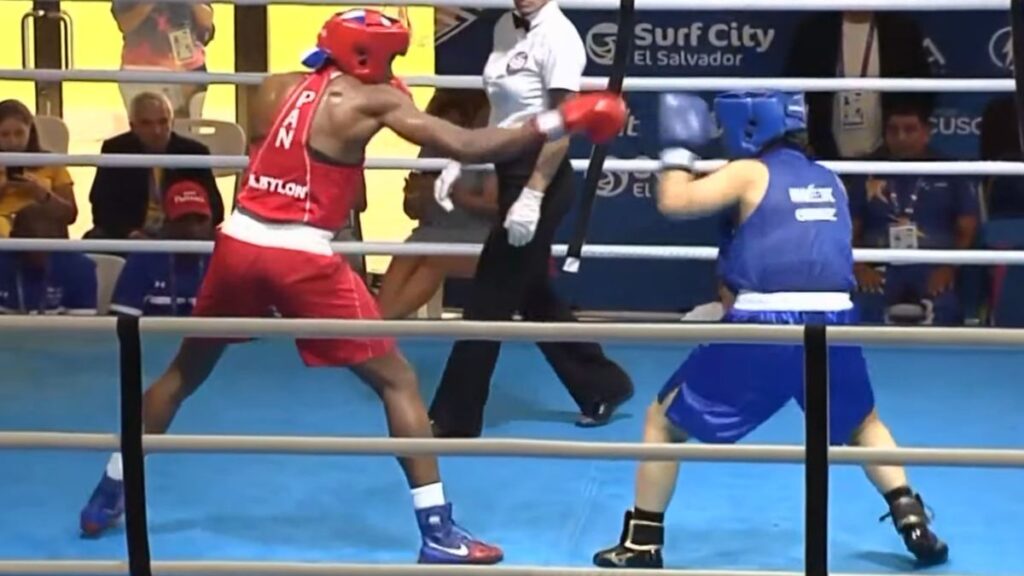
126,202
852,45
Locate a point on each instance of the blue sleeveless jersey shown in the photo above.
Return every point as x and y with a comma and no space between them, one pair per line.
799,239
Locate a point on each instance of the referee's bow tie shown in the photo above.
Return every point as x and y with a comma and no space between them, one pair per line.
520,22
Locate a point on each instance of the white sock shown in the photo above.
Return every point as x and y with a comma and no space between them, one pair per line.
428,496
114,469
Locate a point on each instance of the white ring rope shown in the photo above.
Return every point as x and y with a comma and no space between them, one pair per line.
875,168
602,251
631,84
665,5
476,330
167,568
901,336
511,447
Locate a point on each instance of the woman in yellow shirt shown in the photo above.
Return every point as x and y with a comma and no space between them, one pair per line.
23,186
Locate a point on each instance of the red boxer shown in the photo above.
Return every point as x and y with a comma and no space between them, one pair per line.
305,171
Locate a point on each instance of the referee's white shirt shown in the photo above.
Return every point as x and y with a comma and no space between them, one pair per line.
524,65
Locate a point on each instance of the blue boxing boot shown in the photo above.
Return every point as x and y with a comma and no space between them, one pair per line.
445,542
106,505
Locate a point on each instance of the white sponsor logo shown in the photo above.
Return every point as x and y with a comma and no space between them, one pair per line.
1000,48
462,550
718,45
954,125
601,43
816,214
286,131
812,195
612,184
936,58
278,186
450,21
639,184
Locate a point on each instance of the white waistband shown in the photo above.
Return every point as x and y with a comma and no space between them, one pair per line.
793,302
287,236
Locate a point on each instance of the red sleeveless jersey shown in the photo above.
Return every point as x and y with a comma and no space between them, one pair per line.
287,181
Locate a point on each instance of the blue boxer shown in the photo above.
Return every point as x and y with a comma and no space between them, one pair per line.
789,260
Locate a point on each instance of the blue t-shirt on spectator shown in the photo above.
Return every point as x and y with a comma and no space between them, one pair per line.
932,203
67,286
158,285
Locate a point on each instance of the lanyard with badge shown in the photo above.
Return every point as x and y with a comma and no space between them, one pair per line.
903,232
852,112
183,45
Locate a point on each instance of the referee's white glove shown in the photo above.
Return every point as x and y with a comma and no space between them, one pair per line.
522,218
443,185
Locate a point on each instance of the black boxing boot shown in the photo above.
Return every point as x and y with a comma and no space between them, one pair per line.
911,521
643,535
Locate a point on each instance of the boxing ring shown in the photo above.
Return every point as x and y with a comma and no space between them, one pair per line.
278,494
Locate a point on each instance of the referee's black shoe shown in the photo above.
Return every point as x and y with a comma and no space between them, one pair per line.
601,413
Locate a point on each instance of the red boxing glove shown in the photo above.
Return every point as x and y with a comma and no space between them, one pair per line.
397,83
600,115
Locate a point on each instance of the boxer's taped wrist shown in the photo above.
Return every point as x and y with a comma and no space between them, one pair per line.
678,159
550,124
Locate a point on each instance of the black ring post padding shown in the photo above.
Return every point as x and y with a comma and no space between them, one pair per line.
1017,39
816,422
132,456
623,48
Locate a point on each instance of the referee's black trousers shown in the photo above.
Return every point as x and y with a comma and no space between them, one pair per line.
510,279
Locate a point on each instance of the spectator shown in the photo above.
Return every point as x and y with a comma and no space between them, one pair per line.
126,202
42,282
166,284
411,281
1000,140
20,187
850,45
167,36
910,212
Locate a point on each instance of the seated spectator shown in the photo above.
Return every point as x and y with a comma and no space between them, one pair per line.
411,281
911,212
153,284
22,186
853,44
1000,140
126,202
42,282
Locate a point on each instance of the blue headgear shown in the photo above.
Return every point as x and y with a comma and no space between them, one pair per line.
750,120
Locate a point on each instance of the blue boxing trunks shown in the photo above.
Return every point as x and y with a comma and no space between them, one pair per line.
726,391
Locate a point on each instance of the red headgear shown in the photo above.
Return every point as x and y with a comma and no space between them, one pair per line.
361,43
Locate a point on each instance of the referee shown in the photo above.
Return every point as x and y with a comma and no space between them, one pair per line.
536,63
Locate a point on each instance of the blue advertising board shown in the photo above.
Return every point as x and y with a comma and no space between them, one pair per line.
694,44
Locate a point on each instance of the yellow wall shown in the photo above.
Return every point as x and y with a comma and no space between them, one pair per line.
95,111
10,51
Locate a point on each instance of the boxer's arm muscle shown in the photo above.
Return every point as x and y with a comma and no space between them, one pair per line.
682,195
464,145
263,108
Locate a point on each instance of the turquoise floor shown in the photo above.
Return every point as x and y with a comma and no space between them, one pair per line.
544,512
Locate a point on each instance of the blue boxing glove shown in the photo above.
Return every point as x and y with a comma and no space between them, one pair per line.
685,123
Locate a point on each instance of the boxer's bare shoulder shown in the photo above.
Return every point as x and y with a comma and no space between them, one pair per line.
268,99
